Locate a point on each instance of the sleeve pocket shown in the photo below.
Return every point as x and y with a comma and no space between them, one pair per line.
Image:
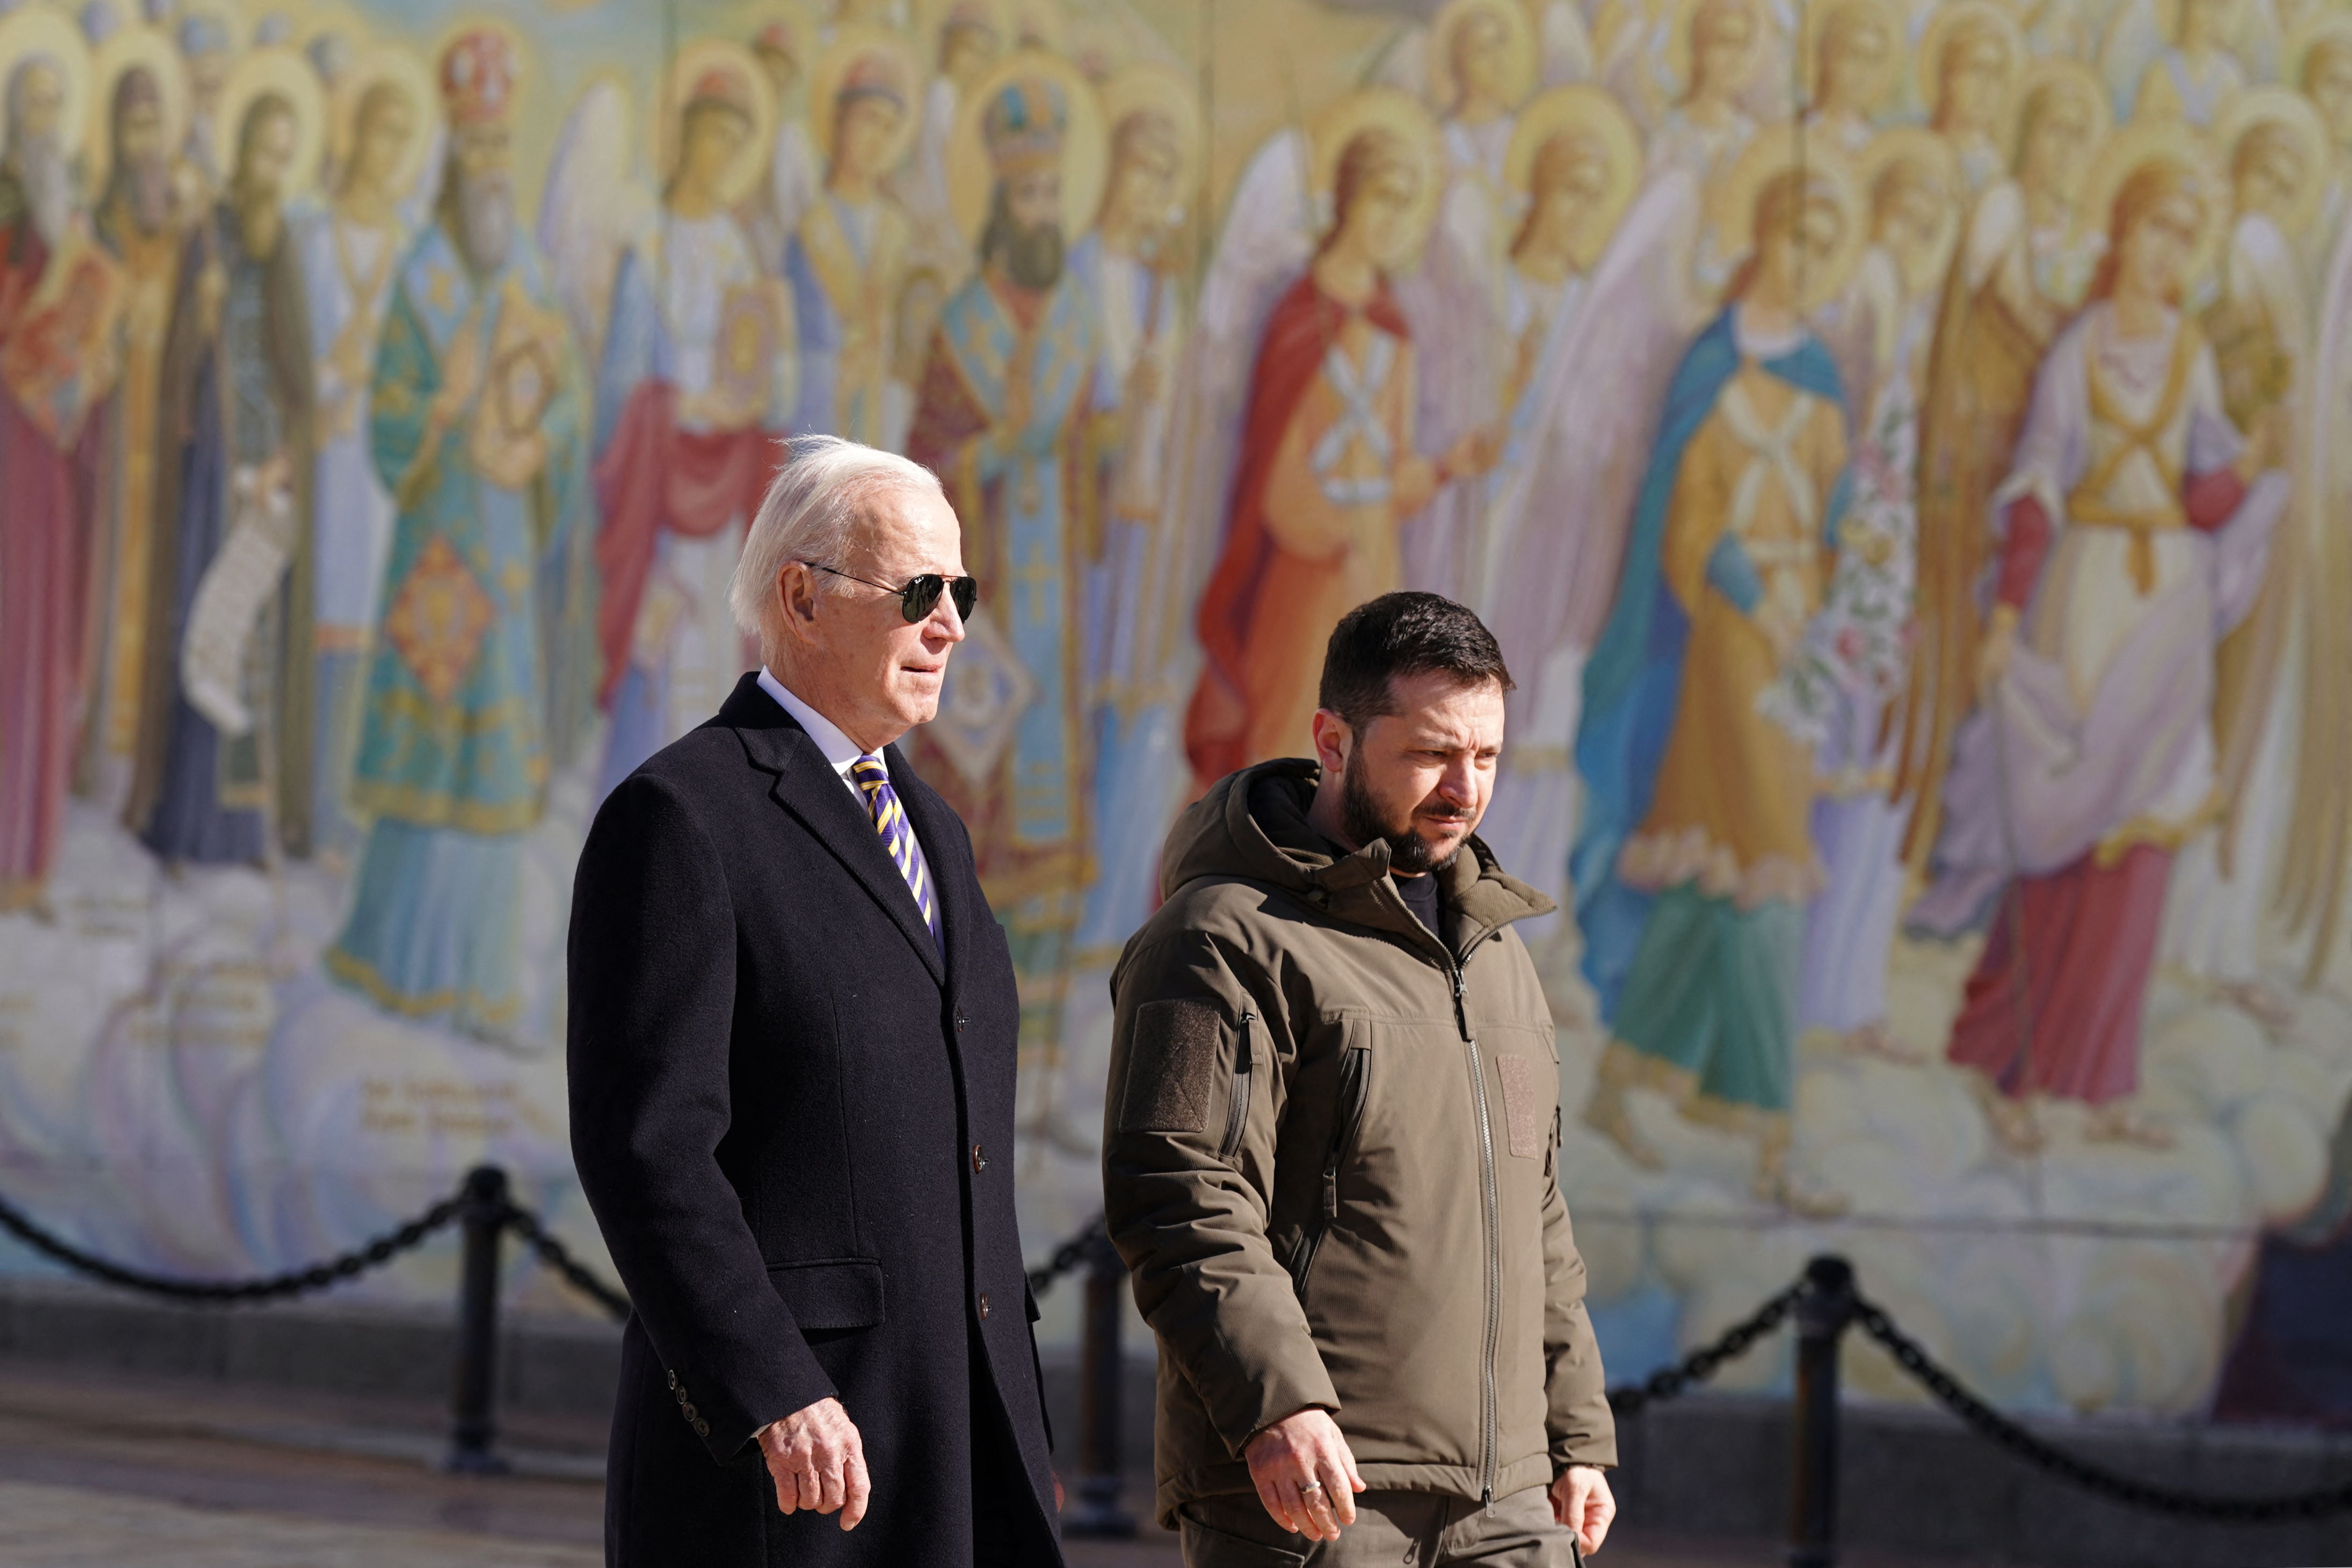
830,1292
1170,1066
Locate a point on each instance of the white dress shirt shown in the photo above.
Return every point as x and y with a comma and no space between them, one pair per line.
839,749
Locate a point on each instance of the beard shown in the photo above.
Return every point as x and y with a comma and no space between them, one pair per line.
39,162
146,187
1361,819
485,213
1033,256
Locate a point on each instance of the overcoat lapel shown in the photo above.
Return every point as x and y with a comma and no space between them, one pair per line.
807,787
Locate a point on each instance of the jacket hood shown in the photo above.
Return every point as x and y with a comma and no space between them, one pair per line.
1253,824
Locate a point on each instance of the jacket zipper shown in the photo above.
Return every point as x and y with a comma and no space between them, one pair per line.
1353,1067
1237,1114
1494,1227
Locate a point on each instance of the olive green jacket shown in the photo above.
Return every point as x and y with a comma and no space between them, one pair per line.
1330,1162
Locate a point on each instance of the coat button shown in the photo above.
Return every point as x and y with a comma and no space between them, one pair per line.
703,1428
959,1020
678,1393
692,1415
979,1159
983,1303
673,1380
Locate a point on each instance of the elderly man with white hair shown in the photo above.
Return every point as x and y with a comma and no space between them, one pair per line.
792,1027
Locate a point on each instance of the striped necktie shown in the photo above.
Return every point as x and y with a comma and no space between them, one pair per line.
872,776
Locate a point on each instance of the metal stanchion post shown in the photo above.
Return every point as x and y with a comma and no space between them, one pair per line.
1098,1512
473,1432
1822,1313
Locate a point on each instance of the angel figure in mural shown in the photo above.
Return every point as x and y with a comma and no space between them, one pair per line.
1589,352
1691,895
698,362
848,257
1718,47
968,37
1852,666
1856,66
1006,418
224,765
2133,527
2261,333
2173,59
1329,465
140,218
477,423
2023,265
1967,64
384,136
1483,61
772,213
1559,48
1131,266
593,210
59,302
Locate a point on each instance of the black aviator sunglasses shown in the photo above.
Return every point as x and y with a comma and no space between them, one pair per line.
921,597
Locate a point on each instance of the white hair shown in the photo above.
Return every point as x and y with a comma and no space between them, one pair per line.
813,511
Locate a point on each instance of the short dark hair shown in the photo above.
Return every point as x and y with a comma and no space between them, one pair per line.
1403,635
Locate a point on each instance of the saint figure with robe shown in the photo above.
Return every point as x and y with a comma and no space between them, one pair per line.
2134,528
1004,417
1969,61
478,425
59,300
848,257
1694,861
1855,68
698,362
223,775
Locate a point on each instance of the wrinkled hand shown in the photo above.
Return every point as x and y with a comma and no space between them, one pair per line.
1581,1499
818,1462
1294,1452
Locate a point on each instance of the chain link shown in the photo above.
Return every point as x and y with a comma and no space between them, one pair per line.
1067,1258
1702,1363
558,1256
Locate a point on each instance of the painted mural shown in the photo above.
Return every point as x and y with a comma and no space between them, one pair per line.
1901,445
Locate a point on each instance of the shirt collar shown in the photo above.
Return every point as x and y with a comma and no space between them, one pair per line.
839,749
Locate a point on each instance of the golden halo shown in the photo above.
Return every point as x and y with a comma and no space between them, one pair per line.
2325,25
725,56
1685,19
1086,144
1978,16
1917,145
1595,112
2287,107
1403,115
1164,91
276,69
397,67
1732,206
1520,48
39,30
149,49
850,46
1890,25
2133,148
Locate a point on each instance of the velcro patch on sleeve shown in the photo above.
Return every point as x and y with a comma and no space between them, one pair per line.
1171,1066
1524,1112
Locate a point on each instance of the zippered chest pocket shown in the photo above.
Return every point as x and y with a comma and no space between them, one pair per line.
1347,1125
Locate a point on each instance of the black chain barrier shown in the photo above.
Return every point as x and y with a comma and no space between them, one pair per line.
1066,1258
318,1276
1701,1364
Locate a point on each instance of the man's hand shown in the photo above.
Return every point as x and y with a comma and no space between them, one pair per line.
1305,1475
1581,1501
818,1461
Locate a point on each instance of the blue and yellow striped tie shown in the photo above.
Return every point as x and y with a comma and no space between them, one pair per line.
872,775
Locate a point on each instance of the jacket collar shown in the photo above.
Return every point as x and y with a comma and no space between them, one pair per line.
807,786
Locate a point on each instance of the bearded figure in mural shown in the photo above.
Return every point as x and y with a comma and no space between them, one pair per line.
698,364
139,220
848,258
224,765
478,427
2135,526
349,250
60,297
1694,860
1328,469
1006,417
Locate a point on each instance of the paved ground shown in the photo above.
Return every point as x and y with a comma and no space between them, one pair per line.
155,1473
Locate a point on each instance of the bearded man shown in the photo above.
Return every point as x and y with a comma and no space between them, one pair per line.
224,763
55,359
140,221
1004,418
476,425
